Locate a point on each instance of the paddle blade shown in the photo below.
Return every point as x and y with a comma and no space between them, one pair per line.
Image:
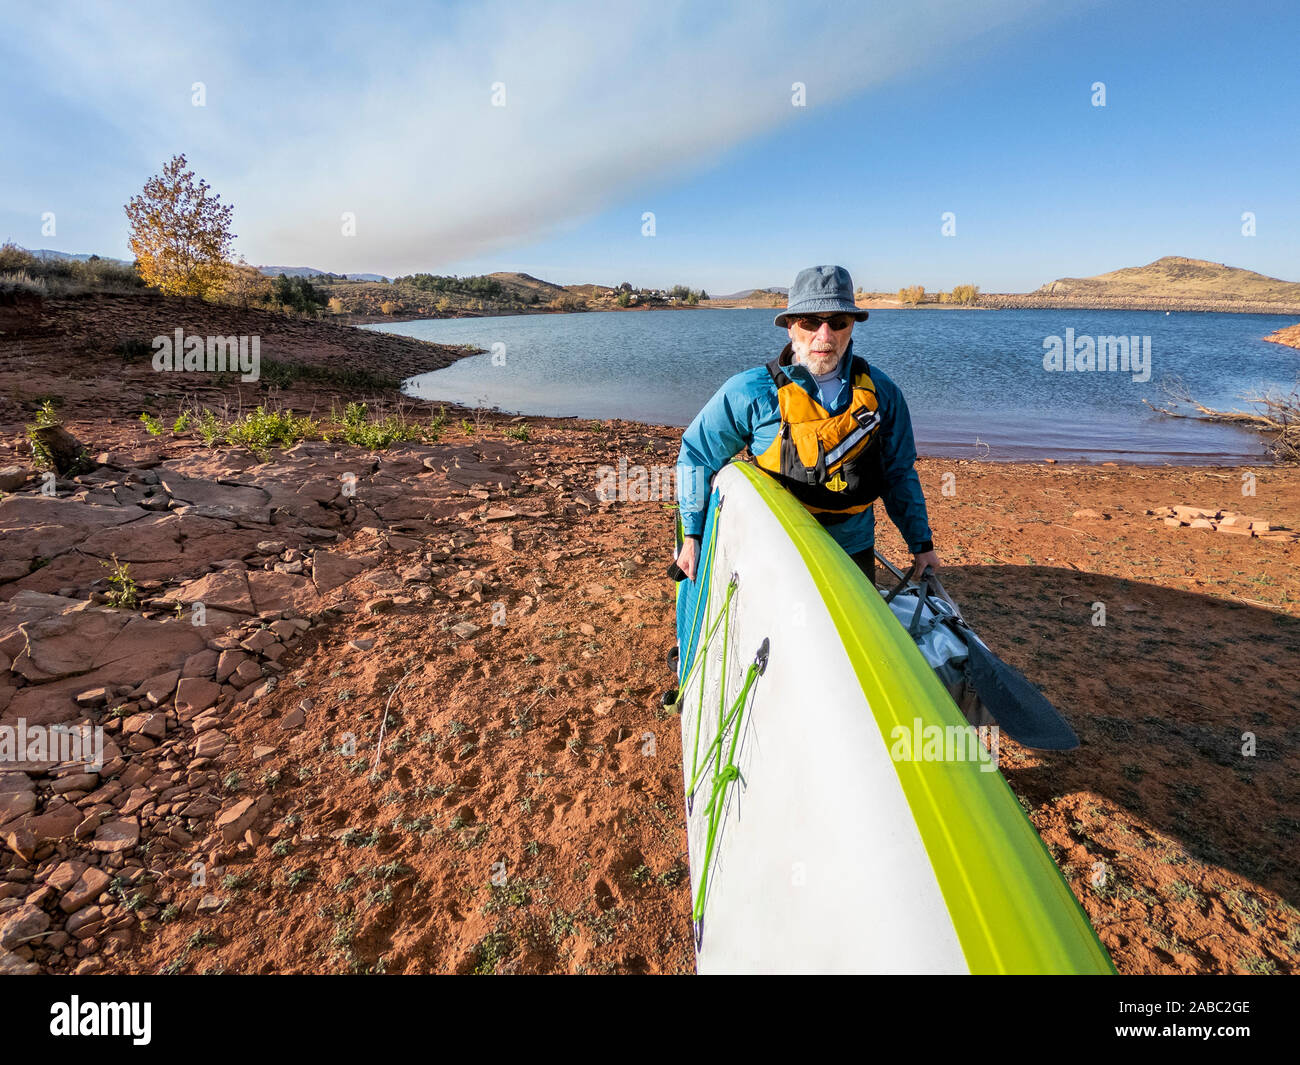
1019,708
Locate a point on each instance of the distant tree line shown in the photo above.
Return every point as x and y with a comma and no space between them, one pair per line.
482,287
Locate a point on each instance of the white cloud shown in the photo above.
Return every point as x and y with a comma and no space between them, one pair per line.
387,112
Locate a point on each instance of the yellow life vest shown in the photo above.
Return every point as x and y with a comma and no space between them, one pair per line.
829,462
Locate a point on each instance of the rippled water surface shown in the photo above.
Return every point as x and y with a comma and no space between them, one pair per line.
974,380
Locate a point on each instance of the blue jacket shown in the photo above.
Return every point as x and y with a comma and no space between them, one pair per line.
743,413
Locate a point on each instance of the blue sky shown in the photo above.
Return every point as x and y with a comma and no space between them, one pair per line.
384,110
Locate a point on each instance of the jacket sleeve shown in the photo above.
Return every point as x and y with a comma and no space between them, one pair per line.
904,501
717,434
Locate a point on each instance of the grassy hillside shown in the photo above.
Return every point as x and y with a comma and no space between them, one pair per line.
1177,277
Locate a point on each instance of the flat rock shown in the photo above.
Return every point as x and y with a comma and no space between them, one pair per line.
15,804
64,645
236,819
114,836
24,923
209,499
156,538
196,694
203,664
223,590
210,743
14,477
330,570
282,592
88,884
37,525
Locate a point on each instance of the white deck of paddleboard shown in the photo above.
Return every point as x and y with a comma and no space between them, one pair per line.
818,865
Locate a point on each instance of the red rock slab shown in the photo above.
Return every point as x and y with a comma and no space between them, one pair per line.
145,648
118,835
62,645
152,539
88,886
209,499
196,694
36,525
59,820
236,819
225,589
55,702
16,804
282,591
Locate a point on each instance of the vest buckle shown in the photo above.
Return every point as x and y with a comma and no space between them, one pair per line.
868,419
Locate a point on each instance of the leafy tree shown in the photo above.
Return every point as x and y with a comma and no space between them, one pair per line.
243,285
297,294
913,294
180,232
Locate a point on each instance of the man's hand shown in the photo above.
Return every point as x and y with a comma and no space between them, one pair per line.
687,557
919,562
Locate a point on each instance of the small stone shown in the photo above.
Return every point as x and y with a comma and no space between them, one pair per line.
75,782
13,478
23,924
21,841
114,836
283,629
227,663
157,690
202,664
248,672
210,743
235,820
465,629
88,886
1188,513
293,719
209,904
152,725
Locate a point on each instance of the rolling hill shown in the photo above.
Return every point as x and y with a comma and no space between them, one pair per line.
1176,277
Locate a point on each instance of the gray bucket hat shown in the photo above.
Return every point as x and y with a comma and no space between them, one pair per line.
821,290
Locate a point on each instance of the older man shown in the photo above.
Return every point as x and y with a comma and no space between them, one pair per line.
835,431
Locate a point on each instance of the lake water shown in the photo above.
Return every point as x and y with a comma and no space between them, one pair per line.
974,380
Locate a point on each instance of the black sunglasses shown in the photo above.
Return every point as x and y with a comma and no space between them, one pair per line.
812,322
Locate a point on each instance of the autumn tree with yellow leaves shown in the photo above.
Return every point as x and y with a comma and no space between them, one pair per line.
180,233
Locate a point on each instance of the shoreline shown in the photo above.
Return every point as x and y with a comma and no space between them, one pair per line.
1288,337
988,303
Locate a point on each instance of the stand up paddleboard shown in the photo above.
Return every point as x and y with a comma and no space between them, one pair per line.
842,815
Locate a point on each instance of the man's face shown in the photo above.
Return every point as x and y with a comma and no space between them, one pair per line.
816,344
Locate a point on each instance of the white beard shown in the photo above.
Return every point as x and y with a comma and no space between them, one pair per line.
818,362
